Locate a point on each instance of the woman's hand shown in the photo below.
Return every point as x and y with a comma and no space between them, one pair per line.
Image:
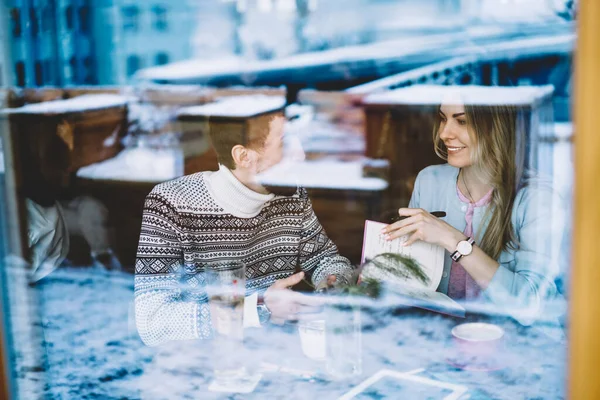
421,225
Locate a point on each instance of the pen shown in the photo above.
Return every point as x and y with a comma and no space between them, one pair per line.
439,214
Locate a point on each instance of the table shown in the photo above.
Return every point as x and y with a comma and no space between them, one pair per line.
394,339
92,349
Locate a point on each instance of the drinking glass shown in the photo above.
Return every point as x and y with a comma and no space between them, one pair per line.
343,341
226,288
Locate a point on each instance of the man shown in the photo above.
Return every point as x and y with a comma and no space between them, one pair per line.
228,215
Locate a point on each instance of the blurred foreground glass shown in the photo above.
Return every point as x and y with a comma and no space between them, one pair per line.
343,341
312,339
226,288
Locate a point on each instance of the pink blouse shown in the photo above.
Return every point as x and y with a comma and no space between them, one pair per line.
461,285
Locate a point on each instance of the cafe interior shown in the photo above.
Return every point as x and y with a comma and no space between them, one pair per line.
72,330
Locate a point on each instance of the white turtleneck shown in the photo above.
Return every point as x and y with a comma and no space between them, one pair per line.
231,194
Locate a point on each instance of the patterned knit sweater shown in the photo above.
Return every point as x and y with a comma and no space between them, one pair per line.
210,217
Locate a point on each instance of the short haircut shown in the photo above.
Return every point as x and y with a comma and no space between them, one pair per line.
251,133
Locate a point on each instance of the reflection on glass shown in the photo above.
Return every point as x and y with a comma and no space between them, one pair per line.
362,87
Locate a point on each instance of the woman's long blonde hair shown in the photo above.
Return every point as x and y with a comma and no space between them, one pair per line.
496,156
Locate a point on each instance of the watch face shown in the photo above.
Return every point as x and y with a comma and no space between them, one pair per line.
465,248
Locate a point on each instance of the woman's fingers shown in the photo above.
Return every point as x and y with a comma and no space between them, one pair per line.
407,212
413,238
401,224
401,232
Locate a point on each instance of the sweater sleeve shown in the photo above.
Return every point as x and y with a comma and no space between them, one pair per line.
319,256
167,306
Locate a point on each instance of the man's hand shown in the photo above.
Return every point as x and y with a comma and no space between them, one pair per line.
328,283
287,305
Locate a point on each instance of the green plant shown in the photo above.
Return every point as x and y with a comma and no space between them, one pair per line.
392,263
399,265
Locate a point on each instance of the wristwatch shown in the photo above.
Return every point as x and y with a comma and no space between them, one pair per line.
264,314
464,248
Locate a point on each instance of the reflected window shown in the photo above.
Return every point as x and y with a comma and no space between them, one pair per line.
39,74
161,59
160,18
20,72
133,64
84,19
73,64
47,18
33,21
15,16
89,68
69,17
131,16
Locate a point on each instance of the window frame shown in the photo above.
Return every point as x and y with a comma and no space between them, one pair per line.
584,330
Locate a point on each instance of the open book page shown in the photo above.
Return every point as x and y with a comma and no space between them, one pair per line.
430,257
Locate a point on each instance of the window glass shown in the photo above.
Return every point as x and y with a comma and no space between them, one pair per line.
288,199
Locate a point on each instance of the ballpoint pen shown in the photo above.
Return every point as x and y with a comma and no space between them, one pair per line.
439,214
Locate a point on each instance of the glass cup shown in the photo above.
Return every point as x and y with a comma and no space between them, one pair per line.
312,339
343,341
226,288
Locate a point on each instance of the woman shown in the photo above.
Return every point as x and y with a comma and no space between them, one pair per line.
498,230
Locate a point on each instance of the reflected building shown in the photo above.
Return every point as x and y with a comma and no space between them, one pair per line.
138,34
84,42
50,42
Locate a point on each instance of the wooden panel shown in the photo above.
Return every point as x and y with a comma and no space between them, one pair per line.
342,214
32,95
91,136
402,135
97,135
75,91
584,341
